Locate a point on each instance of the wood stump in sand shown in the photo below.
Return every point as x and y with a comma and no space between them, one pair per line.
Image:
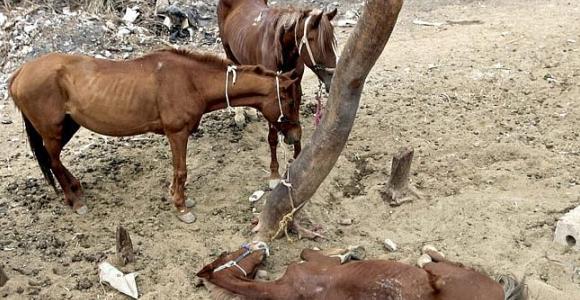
125,252
398,189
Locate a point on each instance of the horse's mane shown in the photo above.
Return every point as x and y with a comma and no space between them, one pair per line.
199,56
218,60
287,18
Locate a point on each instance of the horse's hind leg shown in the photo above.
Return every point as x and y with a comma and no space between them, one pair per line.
70,127
53,144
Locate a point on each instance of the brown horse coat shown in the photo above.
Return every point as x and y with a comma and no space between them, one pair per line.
254,33
324,277
165,92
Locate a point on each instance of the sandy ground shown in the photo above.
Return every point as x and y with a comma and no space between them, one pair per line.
497,154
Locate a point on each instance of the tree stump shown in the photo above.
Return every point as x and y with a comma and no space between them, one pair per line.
125,252
3,277
398,190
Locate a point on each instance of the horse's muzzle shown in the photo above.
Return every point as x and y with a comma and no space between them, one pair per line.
325,75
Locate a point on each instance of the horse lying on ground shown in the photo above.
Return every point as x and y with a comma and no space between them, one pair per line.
281,40
321,276
165,92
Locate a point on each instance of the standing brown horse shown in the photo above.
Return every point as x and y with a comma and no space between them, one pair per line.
281,40
165,92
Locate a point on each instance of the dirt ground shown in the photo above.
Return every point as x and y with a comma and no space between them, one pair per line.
491,108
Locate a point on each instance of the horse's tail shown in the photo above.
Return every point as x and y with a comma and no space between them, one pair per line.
39,151
513,289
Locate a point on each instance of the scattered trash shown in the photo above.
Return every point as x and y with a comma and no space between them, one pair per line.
3,19
131,15
390,245
123,283
345,222
256,196
346,23
570,41
425,23
550,78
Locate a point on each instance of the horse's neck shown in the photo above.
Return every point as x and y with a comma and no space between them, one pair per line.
249,90
251,289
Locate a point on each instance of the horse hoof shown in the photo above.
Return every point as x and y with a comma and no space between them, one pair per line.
187,217
273,183
189,203
423,260
240,120
357,252
83,210
252,114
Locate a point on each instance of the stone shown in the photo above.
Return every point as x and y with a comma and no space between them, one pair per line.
345,222
568,229
390,245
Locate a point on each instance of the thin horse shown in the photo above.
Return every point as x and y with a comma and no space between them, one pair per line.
281,40
165,92
323,276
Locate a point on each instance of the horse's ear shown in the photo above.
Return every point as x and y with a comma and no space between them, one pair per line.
316,17
205,272
291,74
331,14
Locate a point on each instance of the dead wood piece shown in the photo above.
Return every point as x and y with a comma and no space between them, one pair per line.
3,277
125,251
398,190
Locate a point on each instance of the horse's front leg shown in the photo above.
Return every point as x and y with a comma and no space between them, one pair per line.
297,149
273,141
178,142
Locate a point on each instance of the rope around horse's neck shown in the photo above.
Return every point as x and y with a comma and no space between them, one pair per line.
278,95
230,69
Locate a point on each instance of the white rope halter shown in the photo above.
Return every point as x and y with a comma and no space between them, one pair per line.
304,40
259,246
278,95
231,69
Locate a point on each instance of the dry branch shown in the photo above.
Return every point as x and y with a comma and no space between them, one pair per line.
315,162
125,252
398,189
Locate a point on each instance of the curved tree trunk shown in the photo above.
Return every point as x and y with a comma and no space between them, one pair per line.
317,159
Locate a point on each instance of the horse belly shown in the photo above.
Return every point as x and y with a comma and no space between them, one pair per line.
124,114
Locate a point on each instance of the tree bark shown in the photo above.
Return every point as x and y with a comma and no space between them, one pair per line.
398,189
317,159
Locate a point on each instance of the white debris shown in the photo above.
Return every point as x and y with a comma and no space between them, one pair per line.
30,28
3,19
346,23
68,12
425,23
257,195
131,14
123,283
390,245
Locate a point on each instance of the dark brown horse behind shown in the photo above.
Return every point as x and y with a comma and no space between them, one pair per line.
165,92
281,40
322,276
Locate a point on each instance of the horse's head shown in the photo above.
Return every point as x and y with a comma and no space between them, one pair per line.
240,263
317,44
282,110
